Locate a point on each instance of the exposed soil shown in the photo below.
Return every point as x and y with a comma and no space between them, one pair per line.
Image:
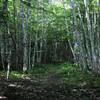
35,90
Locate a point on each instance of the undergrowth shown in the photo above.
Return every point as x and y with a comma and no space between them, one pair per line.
69,73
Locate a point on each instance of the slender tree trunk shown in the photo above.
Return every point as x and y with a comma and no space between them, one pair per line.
25,58
9,53
66,25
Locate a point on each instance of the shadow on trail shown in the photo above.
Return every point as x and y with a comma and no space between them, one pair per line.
29,90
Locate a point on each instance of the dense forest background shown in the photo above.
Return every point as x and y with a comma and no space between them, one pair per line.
33,32
51,42
48,31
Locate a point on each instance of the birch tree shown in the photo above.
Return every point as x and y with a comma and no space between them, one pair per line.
24,32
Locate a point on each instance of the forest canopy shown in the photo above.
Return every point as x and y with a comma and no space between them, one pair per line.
49,49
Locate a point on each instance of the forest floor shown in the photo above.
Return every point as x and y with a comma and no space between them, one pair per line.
50,82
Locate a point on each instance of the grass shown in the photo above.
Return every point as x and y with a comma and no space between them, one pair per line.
68,73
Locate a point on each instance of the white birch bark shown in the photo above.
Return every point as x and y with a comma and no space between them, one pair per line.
25,60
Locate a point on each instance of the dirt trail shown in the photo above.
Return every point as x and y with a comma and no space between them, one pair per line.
35,90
